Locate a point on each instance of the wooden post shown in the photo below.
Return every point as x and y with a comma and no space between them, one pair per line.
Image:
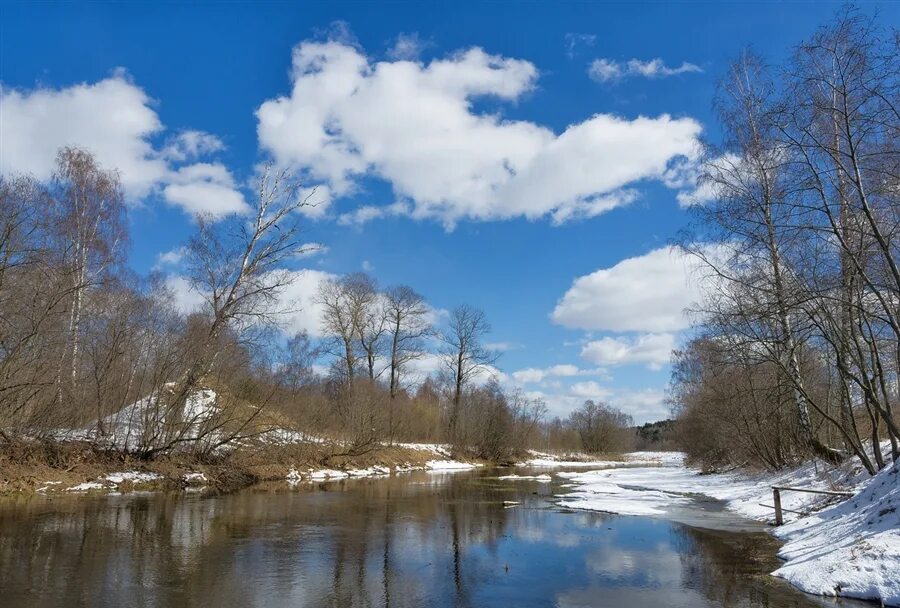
776,496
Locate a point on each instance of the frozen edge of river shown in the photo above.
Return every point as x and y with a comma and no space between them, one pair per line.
850,549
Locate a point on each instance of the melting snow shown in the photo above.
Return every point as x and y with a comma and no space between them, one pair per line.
851,549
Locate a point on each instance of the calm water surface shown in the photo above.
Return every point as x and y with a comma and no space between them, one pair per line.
420,539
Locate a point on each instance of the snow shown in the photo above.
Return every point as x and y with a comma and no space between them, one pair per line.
542,459
108,482
294,476
132,476
851,549
138,425
534,477
449,465
435,448
87,487
194,478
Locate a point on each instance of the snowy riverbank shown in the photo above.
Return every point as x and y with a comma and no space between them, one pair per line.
849,548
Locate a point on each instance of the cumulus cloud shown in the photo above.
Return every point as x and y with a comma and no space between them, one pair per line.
532,375
590,390
299,298
171,258
367,213
295,308
190,144
204,188
654,350
605,70
502,347
114,119
647,293
413,125
407,47
645,405
185,298
687,177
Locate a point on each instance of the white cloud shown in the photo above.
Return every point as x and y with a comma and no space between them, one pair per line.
413,125
171,258
299,297
646,405
407,47
656,68
503,347
590,390
602,70
186,299
190,144
367,213
686,176
311,249
113,119
605,70
655,350
294,310
532,375
316,201
205,188
647,293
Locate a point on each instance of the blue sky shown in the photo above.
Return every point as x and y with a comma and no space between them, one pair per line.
510,151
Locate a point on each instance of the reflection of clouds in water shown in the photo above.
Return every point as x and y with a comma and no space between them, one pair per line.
537,534
655,566
414,540
624,597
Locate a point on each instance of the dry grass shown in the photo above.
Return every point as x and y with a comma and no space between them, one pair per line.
27,466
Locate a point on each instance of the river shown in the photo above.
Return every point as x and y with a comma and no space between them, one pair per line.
411,540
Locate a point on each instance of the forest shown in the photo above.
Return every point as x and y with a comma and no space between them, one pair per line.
90,348
796,350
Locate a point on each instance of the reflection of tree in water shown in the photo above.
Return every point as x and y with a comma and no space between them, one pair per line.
402,542
390,542
731,569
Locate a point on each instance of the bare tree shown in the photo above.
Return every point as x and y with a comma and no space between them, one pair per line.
89,219
236,264
407,320
602,428
348,318
464,354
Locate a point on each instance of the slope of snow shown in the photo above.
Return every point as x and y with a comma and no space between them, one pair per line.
148,422
851,549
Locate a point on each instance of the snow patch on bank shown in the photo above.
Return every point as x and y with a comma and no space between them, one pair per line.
449,465
111,482
577,460
850,549
294,476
